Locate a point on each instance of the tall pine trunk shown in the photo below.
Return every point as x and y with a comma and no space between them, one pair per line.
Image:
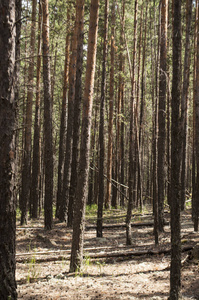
48,141
175,271
26,168
77,110
7,154
101,127
36,164
82,183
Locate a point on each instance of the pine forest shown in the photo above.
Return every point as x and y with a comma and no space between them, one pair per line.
99,140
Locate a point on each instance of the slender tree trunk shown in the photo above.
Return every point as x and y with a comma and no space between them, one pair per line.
48,142
101,127
8,149
81,191
36,164
132,170
175,272
196,213
62,136
162,114
26,169
77,110
110,124
184,101
69,135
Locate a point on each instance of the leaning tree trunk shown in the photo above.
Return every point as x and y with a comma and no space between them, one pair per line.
81,191
175,272
48,141
7,153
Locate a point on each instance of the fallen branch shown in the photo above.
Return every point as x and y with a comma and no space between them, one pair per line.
106,255
140,224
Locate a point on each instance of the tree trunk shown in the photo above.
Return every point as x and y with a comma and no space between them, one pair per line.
7,153
162,114
175,272
77,109
62,136
62,215
184,102
81,191
48,142
36,164
101,126
26,169
196,215
132,170
110,124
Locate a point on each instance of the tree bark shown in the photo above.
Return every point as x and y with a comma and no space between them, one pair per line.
101,126
162,114
110,124
36,164
62,136
48,142
175,271
26,169
7,154
77,110
81,191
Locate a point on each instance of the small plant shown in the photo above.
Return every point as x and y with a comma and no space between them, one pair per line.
100,265
33,272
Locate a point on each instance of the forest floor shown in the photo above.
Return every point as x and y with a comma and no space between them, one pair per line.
111,269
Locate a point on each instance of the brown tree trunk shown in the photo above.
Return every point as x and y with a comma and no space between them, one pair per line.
132,170
81,191
77,110
62,136
162,114
196,213
36,164
184,101
101,126
48,142
8,150
175,272
26,168
62,214
110,124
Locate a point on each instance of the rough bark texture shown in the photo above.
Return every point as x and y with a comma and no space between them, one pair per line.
131,137
62,136
36,164
7,153
175,272
110,124
101,127
184,101
196,214
162,114
26,171
68,153
81,191
77,109
48,143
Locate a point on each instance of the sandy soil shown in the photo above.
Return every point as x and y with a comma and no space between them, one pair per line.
43,264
